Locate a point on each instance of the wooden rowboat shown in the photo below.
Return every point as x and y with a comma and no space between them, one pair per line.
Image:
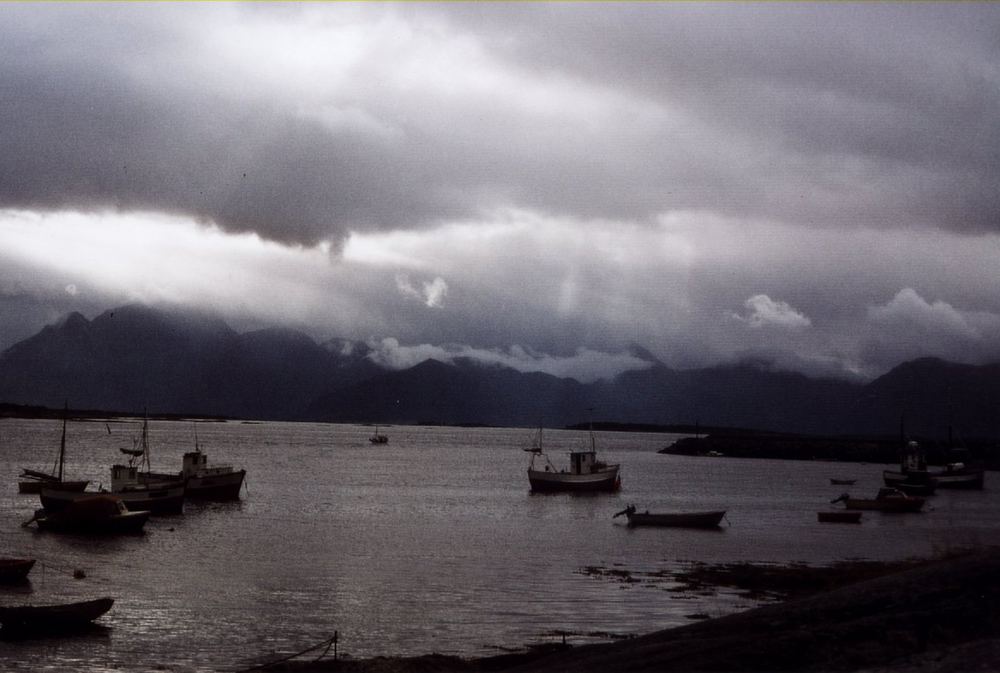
839,516
887,500
53,618
708,519
15,569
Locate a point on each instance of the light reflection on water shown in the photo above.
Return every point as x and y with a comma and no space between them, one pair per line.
429,543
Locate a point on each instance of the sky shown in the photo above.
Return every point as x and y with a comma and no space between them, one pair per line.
814,186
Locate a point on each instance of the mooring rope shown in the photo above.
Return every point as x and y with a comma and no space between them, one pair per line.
327,644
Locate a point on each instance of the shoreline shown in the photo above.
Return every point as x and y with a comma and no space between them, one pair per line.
938,615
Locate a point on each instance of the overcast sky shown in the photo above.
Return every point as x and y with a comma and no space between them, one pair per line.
815,185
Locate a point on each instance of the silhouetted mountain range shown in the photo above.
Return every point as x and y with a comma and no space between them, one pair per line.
135,357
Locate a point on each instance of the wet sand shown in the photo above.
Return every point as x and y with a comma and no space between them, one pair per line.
937,616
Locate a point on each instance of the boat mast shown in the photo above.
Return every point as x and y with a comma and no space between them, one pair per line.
145,441
593,446
62,443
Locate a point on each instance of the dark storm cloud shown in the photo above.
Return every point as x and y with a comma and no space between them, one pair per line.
807,113
857,113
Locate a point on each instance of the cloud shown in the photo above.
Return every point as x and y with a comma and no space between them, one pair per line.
306,123
909,326
585,365
909,311
764,311
431,293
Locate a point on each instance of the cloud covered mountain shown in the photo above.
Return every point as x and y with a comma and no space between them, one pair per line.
135,357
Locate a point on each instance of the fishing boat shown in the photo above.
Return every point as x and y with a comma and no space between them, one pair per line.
585,473
957,474
378,438
708,519
134,484
102,514
839,516
887,500
41,619
14,570
202,481
32,481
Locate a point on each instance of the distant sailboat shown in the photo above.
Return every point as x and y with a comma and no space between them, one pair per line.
378,438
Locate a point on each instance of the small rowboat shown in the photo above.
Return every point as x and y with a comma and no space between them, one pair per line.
839,516
709,519
15,569
887,500
53,618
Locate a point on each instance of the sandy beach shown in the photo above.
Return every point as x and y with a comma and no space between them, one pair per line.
936,616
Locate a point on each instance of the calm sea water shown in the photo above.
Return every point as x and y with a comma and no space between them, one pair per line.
430,543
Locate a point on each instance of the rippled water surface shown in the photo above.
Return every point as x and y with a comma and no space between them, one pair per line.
429,543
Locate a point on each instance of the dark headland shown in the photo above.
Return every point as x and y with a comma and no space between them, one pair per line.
932,617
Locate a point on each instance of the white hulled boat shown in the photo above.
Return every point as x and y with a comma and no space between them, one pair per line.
585,474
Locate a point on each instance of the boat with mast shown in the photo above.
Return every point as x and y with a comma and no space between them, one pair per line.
32,481
585,474
138,493
202,481
378,438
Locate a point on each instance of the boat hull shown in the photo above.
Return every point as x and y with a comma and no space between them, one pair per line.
14,570
225,486
53,618
601,481
130,523
35,486
211,486
677,519
890,505
166,499
968,478
839,516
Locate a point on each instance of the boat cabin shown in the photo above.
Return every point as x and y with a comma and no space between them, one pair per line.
914,459
123,476
196,465
584,462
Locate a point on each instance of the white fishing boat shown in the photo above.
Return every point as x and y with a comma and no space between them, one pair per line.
585,474
202,481
139,490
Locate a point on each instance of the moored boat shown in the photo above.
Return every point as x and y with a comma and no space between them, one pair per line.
33,481
378,438
15,569
708,519
586,473
136,486
202,481
887,500
913,470
38,619
101,514
839,516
